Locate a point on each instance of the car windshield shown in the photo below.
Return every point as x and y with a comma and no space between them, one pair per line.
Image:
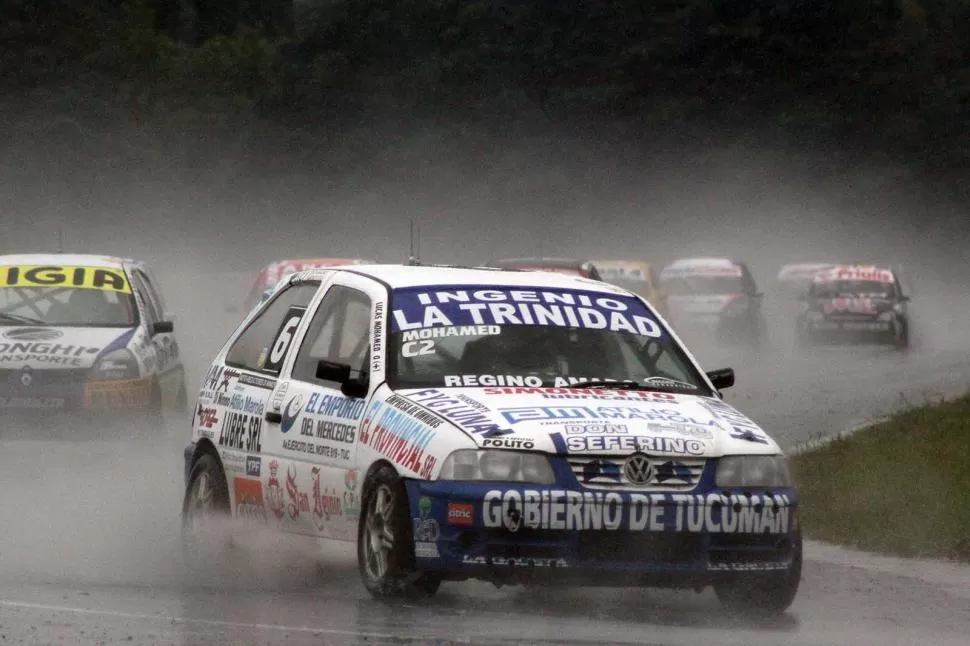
839,288
520,336
98,297
701,284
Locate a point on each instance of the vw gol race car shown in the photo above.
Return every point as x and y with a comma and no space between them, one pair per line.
568,266
635,276
276,271
855,303
85,334
715,294
471,423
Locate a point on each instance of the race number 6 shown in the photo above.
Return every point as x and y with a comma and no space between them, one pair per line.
284,336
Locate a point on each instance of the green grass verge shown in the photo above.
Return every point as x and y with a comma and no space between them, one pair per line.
900,487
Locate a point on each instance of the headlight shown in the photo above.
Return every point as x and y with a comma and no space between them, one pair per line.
753,471
497,465
117,364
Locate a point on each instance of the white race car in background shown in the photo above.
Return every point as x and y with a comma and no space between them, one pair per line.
84,338
716,295
471,423
796,278
278,270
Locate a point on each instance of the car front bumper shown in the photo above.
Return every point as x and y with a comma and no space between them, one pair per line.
550,534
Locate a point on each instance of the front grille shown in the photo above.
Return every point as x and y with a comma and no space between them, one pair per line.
606,472
640,547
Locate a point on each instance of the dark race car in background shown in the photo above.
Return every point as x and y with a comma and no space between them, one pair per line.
568,266
855,303
716,296
84,341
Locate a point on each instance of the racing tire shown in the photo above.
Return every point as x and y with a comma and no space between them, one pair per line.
771,592
153,418
206,503
385,543
182,401
901,341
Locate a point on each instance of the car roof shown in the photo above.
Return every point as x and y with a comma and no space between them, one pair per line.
803,268
319,261
401,276
705,265
69,259
540,262
845,272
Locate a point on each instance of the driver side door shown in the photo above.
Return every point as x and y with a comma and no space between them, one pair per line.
316,431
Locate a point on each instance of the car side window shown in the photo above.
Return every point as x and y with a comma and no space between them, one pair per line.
267,336
339,332
151,308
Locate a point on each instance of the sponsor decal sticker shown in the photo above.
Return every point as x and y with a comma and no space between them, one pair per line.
291,412
249,499
326,504
461,513
426,529
103,278
652,444
457,411
253,465
124,393
399,437
570,413
32,334
512,561
241,432
515,509
417,308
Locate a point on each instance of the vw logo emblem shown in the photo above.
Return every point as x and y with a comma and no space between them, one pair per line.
637,469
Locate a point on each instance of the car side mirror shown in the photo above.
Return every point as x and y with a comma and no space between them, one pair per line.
904,299
721,379
340,372
163,327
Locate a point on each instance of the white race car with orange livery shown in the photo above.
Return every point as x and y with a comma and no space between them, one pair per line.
516,427
85,344
278,270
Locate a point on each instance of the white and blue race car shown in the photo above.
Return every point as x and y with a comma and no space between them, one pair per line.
517,427
84,339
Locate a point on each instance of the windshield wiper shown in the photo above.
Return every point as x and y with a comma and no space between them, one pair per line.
614,385
20,318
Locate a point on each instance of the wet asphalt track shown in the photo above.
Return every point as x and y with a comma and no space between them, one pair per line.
89,551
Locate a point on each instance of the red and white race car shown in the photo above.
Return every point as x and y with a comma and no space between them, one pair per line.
278,270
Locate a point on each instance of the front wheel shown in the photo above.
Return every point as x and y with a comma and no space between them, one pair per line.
901,336
385,547
205,514
771,592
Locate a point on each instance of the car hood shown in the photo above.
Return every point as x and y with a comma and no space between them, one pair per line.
596,422
699,303
46,347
